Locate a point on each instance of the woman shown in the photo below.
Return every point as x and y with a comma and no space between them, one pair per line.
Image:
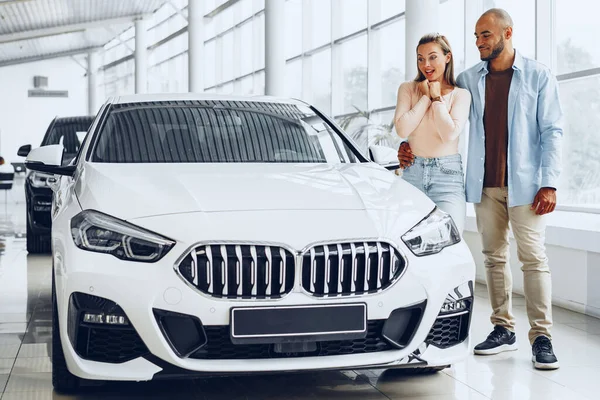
431,112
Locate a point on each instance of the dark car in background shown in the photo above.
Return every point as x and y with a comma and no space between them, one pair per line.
70,132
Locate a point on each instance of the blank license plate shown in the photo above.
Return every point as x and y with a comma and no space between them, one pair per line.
298,323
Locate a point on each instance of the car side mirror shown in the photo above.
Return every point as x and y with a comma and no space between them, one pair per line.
384,156
24,150
48,159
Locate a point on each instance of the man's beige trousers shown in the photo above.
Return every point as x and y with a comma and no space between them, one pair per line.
529,229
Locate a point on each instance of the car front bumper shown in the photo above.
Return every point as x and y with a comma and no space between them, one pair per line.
142,289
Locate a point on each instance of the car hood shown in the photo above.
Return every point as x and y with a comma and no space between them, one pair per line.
131,191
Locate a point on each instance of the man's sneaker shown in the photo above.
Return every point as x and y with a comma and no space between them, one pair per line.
543,355
500,340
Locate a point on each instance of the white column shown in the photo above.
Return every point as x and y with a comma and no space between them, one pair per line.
141,56
421,18
196,46
92,73
274,47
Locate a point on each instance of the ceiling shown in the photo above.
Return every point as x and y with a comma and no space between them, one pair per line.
32,30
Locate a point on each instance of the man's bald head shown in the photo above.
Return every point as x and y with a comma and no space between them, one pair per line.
501,17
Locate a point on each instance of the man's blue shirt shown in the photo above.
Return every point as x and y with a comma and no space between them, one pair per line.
534,130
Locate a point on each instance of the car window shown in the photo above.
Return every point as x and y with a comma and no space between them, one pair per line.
70,135
247,132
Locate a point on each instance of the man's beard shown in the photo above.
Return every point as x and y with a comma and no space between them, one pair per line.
495,51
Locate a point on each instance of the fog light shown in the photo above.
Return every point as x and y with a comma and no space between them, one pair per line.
105,319
453,306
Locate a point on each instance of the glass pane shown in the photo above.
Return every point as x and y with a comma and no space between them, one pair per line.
247,86
321,80
321,23
227,57
209,63
293,28
259,42
389,8
577,47
580,181
353,16
523,15
245,9
391,62
453,11
293,79
247,47
354,69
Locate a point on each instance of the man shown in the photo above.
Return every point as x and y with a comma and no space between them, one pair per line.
513,166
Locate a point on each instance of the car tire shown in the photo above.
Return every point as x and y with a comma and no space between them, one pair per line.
37,244
62,380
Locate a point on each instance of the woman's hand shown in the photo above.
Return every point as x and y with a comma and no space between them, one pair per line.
424,88
435,89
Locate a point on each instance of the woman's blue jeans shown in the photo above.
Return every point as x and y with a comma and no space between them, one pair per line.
442,180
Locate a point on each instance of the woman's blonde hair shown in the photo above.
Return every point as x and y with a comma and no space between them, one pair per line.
445,45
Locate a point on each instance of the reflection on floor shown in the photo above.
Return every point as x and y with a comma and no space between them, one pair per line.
25,368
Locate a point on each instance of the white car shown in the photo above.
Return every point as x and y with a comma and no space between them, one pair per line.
198,234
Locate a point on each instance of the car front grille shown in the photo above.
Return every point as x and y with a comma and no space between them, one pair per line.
341,269
236,271
220,347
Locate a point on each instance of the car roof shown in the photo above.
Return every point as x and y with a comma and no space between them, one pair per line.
164,97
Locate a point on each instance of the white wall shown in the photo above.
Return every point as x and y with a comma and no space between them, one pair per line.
24,120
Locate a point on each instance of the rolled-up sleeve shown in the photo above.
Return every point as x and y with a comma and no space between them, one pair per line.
550,125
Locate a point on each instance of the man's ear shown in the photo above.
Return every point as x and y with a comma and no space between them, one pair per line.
508,32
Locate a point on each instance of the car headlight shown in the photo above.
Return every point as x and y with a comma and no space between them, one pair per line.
39,179
432,234
101,233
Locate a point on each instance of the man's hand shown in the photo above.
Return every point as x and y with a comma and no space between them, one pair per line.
405,155
435,89
424,88
545,201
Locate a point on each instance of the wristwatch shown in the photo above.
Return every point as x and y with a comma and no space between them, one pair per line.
438,98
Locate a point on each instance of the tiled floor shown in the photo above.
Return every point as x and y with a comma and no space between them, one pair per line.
25,368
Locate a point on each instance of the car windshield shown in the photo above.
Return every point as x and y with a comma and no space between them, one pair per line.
70,135
235,132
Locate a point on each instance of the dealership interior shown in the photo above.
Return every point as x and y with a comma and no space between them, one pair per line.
60,60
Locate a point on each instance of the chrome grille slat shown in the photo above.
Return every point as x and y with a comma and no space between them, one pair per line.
224,270
195,268
340,267
368,275
367,267
327,270
313,270
209,264
254,270
239,271
379,264
269,255
354,268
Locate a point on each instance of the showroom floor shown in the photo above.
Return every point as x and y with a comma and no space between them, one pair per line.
25,368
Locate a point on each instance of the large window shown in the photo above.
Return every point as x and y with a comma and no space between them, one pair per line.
389,51
293,25
576,46
321,80
353,56
523,15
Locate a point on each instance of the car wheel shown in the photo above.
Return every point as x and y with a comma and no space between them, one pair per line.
36,244
62,380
